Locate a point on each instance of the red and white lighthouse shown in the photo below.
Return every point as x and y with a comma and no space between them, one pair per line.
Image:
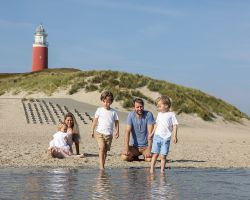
40,50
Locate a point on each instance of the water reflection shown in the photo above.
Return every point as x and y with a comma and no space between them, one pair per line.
31,188
54,183
60,183
138,183
161,187
87,184
103,187
126,184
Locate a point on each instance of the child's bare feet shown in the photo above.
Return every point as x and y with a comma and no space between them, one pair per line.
79,156
76,156
101,168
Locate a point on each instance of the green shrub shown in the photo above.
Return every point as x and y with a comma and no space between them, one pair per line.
91,88
2,93
16,92
155,86
76,86
137,93
127,103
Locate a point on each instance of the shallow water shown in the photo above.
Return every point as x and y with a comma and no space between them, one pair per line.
132,183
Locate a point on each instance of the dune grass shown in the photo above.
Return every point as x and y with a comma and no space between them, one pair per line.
124,86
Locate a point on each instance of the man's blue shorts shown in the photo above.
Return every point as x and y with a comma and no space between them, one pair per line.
160,145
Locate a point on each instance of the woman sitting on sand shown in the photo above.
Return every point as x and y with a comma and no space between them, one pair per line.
73,129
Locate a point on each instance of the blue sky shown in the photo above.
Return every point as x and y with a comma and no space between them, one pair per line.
203,44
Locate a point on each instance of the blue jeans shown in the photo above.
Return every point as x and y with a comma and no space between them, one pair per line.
160,145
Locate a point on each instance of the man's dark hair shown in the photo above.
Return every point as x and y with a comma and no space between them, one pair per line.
138,100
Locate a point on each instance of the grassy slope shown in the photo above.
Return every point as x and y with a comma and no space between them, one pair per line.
124,86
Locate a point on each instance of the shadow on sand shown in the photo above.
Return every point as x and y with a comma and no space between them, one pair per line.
91,154
183,161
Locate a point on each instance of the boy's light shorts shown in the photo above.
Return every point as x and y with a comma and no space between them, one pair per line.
160,146
104,140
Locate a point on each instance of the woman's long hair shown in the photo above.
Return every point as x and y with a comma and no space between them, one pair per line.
75,126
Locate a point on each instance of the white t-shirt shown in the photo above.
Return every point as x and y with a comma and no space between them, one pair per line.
59,140
106,120
165,122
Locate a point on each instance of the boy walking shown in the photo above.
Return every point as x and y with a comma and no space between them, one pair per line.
105,120
166,126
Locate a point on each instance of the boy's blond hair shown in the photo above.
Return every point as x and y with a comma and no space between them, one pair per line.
164,99
60,125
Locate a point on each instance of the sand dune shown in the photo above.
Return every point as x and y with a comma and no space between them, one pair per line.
201,144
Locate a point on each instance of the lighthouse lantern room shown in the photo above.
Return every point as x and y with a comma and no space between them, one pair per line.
40,50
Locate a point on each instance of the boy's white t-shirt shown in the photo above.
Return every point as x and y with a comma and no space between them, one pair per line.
106,120
165,122
59,140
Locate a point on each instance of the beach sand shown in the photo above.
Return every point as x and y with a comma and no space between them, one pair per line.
201,144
